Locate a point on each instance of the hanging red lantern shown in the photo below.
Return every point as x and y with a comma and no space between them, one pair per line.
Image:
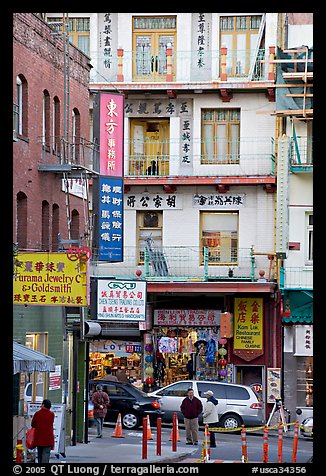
222,362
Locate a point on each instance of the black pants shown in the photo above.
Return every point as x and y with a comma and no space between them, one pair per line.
212,441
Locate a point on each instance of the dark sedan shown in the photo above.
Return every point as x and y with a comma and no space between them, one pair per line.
129,401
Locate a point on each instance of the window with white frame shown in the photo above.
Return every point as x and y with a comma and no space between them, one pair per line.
219,234
149,226
309,238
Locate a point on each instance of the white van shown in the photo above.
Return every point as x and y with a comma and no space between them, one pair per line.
237,404
28,393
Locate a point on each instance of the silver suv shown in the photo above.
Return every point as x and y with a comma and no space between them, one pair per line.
237,404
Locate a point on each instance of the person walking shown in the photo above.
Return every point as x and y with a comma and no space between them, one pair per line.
210,415
109,377
43,421
191,407
101,402
122,376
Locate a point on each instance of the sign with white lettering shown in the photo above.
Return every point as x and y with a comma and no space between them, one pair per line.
186,317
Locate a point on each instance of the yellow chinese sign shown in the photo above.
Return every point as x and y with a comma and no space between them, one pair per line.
50,279
248,323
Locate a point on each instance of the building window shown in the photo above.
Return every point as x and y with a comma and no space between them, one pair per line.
220,136
239,34
149,147
305,386
74,229
39,380
55,227
56,126
45,226
75,135
219,234
149,226
46,119
151,37
78,29
21,221
310,232
20,107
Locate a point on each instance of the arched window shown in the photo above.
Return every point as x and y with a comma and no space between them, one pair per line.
75,135
74,225
20,107
21,230
55,227
46,119
56,126
45,226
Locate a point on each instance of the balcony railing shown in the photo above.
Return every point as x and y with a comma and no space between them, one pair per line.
146,66
301,153
59,152
185,263
246,156
296,277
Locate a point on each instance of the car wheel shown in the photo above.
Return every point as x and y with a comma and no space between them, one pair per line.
230,421
130,421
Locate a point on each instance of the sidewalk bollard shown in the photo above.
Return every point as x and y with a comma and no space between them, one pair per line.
244,453
144,445
280,443
19,451
265,445
295,442
159,436
174,432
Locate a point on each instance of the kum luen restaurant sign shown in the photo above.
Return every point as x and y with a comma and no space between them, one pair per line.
50,279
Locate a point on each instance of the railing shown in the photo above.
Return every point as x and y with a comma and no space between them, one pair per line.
296,277
301,152
245,156
59,151
184,263
146,66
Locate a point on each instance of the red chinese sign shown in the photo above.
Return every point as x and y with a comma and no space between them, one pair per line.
111,134
186,317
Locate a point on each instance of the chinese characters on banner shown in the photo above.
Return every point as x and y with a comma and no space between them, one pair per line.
50,279
110,219
153,201
217,200
201,56
248,323
303,340
121,300
107,44
111,134
201,40
186,317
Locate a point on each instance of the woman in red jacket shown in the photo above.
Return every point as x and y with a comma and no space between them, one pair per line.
43,421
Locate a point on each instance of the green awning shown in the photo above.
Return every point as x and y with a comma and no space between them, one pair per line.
301,306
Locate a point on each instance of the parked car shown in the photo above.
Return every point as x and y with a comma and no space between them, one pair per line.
237,404
28,392
132,403
307,427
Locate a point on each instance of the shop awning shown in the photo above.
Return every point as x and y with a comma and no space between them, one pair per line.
29,360
301,306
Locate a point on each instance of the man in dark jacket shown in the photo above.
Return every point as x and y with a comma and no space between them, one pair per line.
101,402
191,407
43,421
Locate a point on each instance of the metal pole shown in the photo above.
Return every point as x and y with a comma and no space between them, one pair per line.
159,436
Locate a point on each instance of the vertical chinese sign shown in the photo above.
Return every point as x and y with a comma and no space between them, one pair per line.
110,219
111,134
248,327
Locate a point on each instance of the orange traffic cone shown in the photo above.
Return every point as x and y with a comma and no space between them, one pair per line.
149,431
178,434
118,428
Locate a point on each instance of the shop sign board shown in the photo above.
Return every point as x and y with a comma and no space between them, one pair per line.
303,340
50,279
111,134
110,237
226,325
273,384
186,317
119,347
121,300
55,378
153,201
248,323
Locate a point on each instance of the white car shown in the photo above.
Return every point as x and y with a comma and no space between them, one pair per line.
307,427
28,393
237,404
